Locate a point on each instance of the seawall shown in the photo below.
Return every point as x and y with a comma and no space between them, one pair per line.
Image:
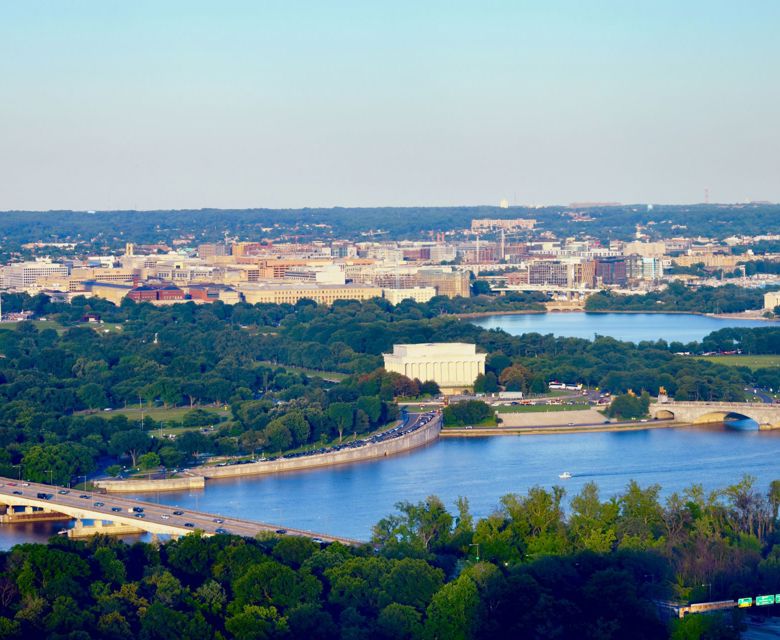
419,438
168,484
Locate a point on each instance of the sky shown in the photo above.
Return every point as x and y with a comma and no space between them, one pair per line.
170,104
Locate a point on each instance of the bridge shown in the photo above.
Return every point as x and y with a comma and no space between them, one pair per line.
25,501
766,415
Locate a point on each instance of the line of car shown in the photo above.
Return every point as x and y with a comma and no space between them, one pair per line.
396,432
138,512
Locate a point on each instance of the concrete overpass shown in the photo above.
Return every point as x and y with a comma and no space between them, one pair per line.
117,515
766,415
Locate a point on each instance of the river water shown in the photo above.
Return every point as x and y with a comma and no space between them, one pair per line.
633,327
348,500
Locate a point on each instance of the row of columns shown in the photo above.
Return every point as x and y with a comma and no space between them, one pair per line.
459,372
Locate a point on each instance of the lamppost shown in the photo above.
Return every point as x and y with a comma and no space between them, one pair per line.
475,544
85,482
51,476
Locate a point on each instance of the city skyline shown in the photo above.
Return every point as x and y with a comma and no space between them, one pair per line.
240,105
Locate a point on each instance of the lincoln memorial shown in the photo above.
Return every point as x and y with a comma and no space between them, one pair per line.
453,365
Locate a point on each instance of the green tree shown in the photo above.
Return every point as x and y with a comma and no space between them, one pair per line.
132,442
149,461
342,415
93,396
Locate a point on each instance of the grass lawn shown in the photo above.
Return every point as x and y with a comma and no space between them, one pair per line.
754,362
174,414
540,408
312,373
487,422
39,324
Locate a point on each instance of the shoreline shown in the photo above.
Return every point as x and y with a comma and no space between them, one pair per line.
715,316
477,432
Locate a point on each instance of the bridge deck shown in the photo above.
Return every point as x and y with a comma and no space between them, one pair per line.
157,518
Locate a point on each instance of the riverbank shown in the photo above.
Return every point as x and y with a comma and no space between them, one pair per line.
418,438
518,312
480,432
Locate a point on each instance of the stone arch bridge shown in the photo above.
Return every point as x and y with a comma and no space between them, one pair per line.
766,415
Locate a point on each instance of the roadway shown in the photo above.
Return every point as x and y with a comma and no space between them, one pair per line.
151,517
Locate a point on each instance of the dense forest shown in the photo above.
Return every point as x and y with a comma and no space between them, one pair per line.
110,230
55,381
526,571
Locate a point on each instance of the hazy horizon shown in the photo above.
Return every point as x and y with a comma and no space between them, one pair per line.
286,105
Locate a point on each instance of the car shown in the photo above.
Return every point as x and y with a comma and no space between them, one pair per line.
178,513
84,496
45,496
25,484
218,520
281,532
165,516
140,515
11,484
189,525
18,493
63,492
221,530
99,504
318,540
138,509
116,509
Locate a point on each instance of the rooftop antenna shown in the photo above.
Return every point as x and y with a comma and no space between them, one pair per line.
706,196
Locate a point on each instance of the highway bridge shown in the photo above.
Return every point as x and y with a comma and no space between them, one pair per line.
26,501
766,415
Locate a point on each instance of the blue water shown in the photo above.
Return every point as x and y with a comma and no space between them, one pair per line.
633,327
348,500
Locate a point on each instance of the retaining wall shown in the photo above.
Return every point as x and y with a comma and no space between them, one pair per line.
424,435
168,484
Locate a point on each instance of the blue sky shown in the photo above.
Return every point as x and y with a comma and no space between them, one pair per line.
173,104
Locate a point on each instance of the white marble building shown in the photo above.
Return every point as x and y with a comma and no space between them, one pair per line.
453,365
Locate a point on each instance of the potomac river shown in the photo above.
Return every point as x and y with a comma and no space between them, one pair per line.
347,500
633,327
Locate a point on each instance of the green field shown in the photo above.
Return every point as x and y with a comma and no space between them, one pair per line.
336,376
541,408
753,362
39,324
174,414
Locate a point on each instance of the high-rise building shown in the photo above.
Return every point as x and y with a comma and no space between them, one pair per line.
611,271
447,283
24,275
213,249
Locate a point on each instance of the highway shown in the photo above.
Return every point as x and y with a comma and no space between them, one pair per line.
151,517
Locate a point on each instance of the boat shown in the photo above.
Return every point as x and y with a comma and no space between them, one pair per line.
564,476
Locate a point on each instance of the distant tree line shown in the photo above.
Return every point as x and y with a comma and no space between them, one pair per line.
678,298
